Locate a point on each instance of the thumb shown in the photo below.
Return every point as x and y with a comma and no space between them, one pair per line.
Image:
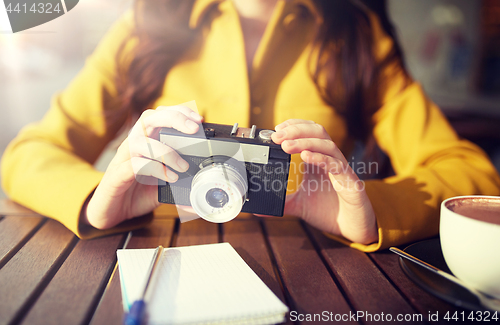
345,181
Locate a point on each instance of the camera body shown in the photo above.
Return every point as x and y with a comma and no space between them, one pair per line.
231,170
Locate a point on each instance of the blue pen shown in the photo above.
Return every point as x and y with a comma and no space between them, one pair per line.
136,312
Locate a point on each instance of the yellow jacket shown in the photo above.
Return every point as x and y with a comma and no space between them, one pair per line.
48,167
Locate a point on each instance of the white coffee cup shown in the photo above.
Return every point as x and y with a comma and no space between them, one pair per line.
470,239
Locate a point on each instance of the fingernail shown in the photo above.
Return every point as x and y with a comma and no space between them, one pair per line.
182,164
291,142
280,134
191,125
171,176
195,115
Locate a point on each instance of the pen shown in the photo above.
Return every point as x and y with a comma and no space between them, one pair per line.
136,312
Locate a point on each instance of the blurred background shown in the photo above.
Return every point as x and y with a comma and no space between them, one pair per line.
451,46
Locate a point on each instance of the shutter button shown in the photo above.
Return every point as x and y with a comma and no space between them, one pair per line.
265,135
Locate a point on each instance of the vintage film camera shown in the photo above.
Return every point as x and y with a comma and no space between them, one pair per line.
232,170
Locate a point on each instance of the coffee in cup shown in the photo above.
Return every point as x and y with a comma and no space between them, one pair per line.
470,239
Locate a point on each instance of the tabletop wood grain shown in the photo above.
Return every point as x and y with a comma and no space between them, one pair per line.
49,276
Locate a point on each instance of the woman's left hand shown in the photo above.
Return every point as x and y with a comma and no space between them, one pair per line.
331,197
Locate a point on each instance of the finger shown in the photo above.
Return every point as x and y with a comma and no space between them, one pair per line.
147,167
140,146
181,120
330,164
151,120
292,122
122,153
323,146
296,131
343,178
184,110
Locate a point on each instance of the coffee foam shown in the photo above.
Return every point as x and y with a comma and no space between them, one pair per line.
482,209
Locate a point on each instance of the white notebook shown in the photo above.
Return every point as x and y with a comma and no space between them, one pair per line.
203,284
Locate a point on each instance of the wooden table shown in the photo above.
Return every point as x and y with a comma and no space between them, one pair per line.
49,276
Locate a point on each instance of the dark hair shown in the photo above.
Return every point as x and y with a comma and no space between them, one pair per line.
161,34
345,58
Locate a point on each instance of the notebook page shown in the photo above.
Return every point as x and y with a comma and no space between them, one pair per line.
133,265
200,284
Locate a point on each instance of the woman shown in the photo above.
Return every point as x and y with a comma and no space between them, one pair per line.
329,74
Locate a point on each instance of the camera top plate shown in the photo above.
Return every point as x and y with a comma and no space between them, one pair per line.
219,139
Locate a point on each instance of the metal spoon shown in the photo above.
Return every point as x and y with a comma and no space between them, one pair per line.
485,300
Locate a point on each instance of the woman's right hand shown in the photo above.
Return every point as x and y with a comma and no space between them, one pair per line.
129,187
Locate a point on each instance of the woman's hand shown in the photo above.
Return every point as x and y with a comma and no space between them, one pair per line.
129,187
331,197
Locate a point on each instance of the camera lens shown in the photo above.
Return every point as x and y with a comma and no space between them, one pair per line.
219,190
217,197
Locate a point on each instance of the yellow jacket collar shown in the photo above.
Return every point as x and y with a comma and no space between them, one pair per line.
202,7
